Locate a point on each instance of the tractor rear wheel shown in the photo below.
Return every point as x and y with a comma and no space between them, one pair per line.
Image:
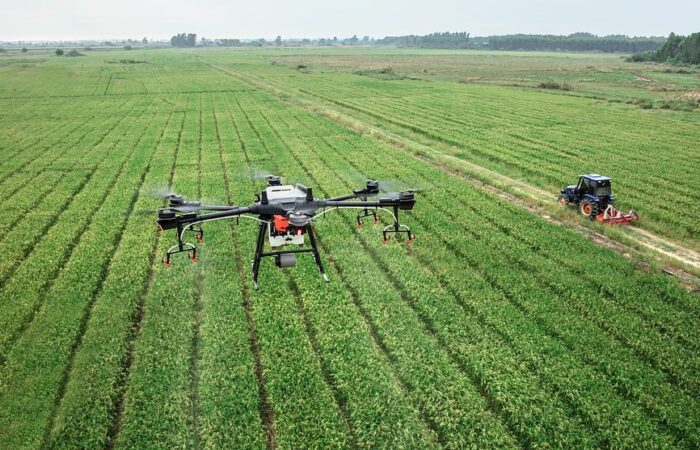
589,209
563,201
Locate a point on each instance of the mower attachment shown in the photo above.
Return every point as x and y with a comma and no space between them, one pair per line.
613,216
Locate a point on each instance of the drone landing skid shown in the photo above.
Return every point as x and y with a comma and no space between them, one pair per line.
397,228
366,213
284,258
185,247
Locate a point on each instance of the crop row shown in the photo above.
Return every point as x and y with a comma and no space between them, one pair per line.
359,410
76,160
636,286
96,380
617,272
471,126
336,165
404,313
34,193
556,427
46,238
548,164
53,328
33,155
478,220
158,402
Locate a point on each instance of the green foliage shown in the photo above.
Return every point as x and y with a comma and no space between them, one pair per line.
434,40
573,42
676,49
74,52
184,40
554,85
59,52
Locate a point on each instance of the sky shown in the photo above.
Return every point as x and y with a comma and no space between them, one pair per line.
160,19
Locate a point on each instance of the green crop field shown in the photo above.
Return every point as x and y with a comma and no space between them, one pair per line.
495,328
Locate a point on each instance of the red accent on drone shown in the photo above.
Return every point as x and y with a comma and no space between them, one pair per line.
281,223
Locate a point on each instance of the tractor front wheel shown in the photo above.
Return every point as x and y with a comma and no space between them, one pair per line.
589,209
563,201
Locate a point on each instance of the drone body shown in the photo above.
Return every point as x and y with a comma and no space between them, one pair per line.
286,214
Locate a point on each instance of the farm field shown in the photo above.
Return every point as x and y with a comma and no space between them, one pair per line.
495,328
546,138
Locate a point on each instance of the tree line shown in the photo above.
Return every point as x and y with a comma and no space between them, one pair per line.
184,40
676,49
574,42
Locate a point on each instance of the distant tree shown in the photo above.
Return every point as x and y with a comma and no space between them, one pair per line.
144,40
59,52
229,42
690,49
128,47
184,40
676,49
24,50
573,42
108,44
74,52
278,41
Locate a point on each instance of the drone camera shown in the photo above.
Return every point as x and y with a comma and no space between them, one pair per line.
372,186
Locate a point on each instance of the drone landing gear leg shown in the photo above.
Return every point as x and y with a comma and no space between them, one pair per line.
262,231
181,247
317,255
366,213
397,228
198,232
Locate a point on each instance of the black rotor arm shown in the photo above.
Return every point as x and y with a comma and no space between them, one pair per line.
169,219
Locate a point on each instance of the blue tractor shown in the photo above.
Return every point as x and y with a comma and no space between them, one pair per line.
594,199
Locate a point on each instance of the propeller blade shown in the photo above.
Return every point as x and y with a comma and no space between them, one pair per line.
395,195
161,192
187,208
258,175
400,186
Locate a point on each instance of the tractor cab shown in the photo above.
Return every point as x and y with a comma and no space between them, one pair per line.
595,186
594,198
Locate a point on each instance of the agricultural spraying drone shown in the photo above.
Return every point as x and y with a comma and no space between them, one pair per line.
286,215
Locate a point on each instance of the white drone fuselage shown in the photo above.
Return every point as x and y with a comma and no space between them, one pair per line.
288,196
